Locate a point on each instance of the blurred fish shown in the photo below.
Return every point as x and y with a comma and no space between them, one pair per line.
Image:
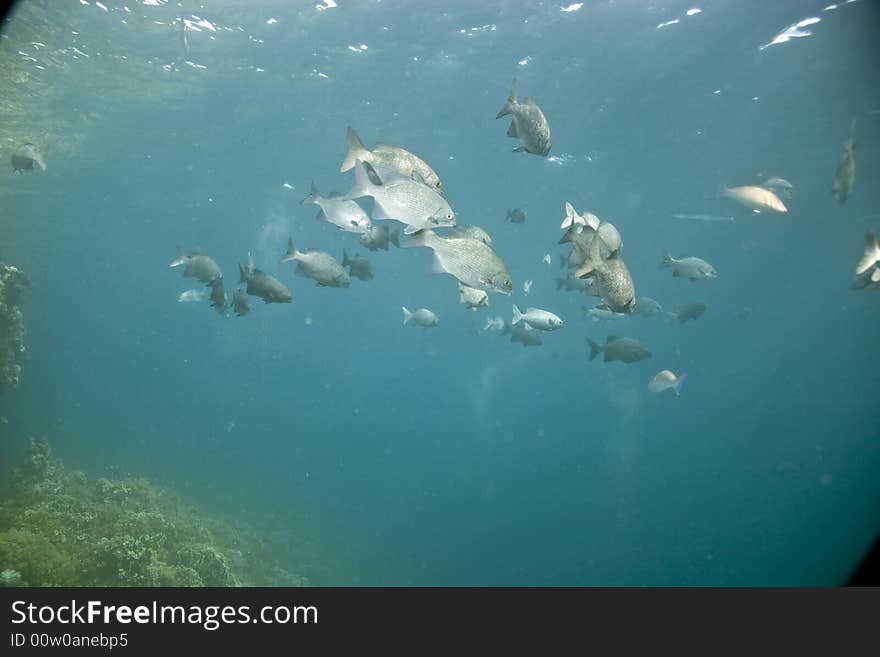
755,198
420,317
547,259
600,313
494,324
845,175
525,335
537,318
613,282
25,156
378,236
346,215
574,284
403,199
471,297
469,260
474,232
779,186
647,307
197,265
627,350
703,217
358,266
867,272
870,279
321,267
218,296
690,311
689,267
527,286
528,124
389,162
196,295
516,216
240,303
572,218
666,380
263,285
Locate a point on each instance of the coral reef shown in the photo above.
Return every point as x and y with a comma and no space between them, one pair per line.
12,350
59,529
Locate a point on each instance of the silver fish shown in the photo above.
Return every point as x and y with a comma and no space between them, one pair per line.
779,186
346,215
240,303
197,265
321,267
475,232
358,266
647,307
516,216
389,162
755,198
602,314
469,260
666,380
613,282
689,267
25,156
378,236
263,285
402,199
471,297
196,295
845,175
420,317
574,284
528,124
537,318
690,311
627,350
525,335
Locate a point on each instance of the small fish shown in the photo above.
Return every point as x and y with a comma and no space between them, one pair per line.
537,318
406,200
345,215
755,198
613,282
471,261
263,285
627,350
689,267
493,324
779,186
845,175
471,297
378,236
572,218
547,260
647,307
690,311
321,267
526,335
196,295
666,380
527,286
703,217
600,313
358,266
575,284
218,295
516,216
25,156
528,124
474,232
241,305
197,265
420,317
389,162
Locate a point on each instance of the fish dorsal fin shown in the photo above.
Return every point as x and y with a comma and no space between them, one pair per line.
196,251
613,338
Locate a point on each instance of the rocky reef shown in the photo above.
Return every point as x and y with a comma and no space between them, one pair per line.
57,528
13,282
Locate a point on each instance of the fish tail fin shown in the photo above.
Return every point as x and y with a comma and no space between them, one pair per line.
291,251
356,150
407,315
313,196
595,349
870,257
517,316
678,384
179,259
667,260
363,181
570,214
511,102
420,238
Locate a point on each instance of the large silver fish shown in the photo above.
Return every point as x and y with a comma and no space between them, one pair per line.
402,199
613,282
389,162
845,175
471,261
321,267
197,265
346,215
470,231
528,124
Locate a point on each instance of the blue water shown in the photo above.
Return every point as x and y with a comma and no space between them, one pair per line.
411,457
